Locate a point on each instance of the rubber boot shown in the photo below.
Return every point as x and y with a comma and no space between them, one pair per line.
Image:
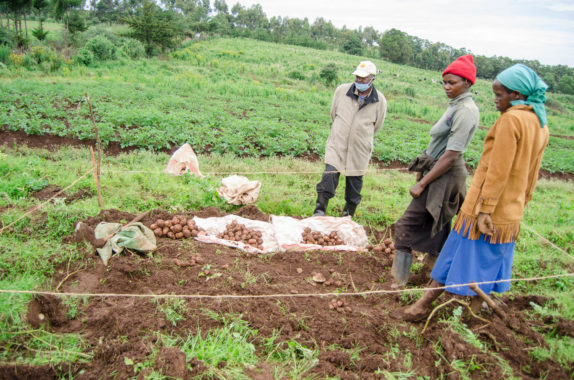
401,268
321,205
349,209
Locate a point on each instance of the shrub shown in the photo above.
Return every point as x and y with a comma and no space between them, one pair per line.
102,48
40,33
5,52
84,57
96,31
43,54
296,75
6,37
329,73
133,48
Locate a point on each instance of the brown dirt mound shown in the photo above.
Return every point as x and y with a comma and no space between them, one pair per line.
355,342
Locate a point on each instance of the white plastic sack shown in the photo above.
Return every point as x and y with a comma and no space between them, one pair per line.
288,233
239,190
183,160
216,225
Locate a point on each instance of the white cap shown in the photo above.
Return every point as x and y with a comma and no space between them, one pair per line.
365,69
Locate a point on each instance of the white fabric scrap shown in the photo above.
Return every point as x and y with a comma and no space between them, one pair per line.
239,190
183,160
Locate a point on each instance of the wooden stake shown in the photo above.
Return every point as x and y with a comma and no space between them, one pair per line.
97,179
98,163
488,300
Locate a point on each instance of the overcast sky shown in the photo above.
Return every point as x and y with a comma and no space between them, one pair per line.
528,29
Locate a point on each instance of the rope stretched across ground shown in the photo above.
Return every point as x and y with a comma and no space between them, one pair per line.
256,296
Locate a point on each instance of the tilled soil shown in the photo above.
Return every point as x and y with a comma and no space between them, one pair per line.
120,327
114,148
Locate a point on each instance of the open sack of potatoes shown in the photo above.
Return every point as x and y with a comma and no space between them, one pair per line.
248,235
319,233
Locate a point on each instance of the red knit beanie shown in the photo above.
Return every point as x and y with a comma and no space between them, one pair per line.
463,67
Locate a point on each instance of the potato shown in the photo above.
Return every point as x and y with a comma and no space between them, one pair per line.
153,226
387,241
160,223
158,232
171,235
165,230
194,233
186,233
179,235
387,250
176,228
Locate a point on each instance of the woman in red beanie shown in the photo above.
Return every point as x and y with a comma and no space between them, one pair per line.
441,181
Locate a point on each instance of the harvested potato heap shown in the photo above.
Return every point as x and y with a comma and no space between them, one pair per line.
179,227
315,237
386,247
238,232
339,305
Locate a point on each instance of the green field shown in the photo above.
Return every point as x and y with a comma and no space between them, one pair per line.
244,97
245,107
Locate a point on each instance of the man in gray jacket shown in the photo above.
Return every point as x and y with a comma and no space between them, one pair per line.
357,113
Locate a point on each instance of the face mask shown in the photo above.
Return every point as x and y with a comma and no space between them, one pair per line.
362,87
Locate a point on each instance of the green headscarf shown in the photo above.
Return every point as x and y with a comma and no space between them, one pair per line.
523,79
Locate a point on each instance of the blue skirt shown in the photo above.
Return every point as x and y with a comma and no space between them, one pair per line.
462,261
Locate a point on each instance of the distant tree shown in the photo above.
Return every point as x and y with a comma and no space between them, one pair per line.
353,45
107,11
566,84
395,46
154,27
62,10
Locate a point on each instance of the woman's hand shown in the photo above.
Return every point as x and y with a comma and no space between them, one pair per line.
417,190
485,225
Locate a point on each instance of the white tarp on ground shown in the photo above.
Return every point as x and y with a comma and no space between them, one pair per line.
285,233
216,225
288,232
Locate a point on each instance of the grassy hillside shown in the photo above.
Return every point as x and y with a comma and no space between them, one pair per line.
245,97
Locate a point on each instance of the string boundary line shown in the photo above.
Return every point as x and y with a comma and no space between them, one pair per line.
547,241
261,296
34,209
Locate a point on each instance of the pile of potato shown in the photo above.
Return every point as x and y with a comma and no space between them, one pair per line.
179,227
315,237
339,305
238,232
386,247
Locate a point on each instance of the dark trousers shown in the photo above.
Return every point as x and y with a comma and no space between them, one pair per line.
413,229
330,180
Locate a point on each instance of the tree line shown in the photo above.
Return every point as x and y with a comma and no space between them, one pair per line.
160,25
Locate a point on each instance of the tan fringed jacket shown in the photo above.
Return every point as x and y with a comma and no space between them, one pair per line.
506,174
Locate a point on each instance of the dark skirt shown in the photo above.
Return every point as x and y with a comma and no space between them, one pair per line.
414,227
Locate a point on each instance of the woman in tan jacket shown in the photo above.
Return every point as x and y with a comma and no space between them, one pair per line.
480,248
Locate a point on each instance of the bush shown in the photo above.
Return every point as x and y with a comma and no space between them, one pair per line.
43,54
329,73
5,52
133,48
84,57
296,75
96,31
6,37
102,48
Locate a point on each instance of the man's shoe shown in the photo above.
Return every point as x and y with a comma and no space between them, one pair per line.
321,205
349,209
